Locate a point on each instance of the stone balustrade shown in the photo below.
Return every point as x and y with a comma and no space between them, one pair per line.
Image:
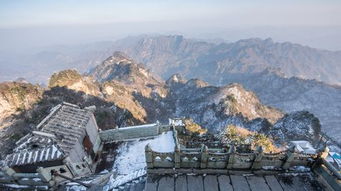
220,159
225,157
43,177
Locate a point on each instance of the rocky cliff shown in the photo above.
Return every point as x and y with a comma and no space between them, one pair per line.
16,97
73,80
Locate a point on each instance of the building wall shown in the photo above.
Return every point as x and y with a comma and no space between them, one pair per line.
92,132
126,133
77,153
92,129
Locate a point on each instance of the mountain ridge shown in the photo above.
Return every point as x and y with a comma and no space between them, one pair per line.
254,55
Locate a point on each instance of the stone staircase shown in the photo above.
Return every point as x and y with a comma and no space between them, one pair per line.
95,182
132,182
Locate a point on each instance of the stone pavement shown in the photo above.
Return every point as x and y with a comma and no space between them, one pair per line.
231,183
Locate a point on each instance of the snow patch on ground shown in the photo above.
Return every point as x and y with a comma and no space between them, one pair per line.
131,156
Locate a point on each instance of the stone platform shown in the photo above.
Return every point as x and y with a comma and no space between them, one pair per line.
236,182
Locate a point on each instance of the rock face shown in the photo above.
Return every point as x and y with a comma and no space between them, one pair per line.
15,97
298,125
73,80
125,83
294,94
122,68
216,107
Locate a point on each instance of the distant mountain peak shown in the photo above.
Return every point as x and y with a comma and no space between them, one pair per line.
21,80
175,79
269,40
196,83
118,57
73,80
122,68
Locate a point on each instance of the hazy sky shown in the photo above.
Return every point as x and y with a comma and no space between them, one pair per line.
26,13
38,23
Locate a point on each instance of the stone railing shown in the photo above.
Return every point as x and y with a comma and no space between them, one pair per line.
222,156
205,158
327,174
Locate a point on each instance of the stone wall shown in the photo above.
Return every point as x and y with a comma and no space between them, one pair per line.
133,132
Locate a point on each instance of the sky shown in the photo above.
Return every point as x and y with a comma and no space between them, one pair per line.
38,23
28,13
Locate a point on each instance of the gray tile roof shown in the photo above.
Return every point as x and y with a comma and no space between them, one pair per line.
55,137
68,125
49,153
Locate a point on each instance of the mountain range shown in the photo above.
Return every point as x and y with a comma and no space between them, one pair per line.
226,62
287,76
126,93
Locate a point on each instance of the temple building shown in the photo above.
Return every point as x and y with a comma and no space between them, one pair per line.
66,142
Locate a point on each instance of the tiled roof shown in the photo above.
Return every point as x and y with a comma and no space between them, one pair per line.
49,153
55,137
67,124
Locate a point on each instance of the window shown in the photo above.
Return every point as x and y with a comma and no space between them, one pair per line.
62,170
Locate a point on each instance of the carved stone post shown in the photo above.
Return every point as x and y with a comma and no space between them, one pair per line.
158,132
325,152
177,159
9,172
175,136
67,161
44,175
230,161
259,155
290,157
149,156
204,156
